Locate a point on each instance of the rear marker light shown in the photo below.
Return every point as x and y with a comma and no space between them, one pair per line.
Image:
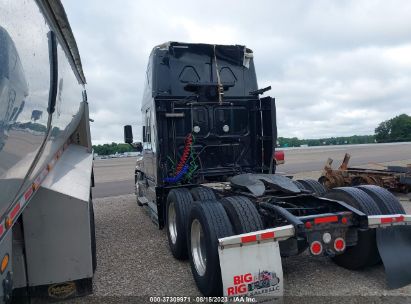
14,212
267,235
327,219
279,157
308,225
28,193
400,218
388,220
339,244
4,263
8,222
316,248
249,239
344,220
255,237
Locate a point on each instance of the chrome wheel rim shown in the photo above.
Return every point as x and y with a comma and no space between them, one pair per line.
172,222
198,247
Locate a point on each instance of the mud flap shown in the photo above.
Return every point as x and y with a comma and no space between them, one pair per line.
253,271
394,245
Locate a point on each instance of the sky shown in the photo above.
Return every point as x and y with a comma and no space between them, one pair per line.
336,67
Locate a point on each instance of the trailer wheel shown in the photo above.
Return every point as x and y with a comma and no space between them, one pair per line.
178,204
242,213
365,252
313,185
207,223
385,200
202,194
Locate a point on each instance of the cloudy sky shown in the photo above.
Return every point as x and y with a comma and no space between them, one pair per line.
336,67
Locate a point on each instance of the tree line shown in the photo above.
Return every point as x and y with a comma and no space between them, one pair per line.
344,140
397,129
394,130
113,148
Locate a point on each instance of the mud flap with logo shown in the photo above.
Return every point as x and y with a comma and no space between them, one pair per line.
252,270
394,245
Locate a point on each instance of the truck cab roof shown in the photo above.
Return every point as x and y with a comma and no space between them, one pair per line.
174,65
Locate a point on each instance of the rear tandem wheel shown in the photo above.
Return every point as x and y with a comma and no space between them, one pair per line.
202,194
312,185
243,214
385,200
365,252
178,205
207,223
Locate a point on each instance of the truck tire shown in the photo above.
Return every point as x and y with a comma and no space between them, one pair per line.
202,194
243,214
178,205
206,224
299,185
365,252
313,185
385,200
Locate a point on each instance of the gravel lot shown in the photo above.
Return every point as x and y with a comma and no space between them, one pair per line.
134,259
132,253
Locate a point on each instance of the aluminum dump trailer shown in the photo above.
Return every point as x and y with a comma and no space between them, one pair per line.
47,242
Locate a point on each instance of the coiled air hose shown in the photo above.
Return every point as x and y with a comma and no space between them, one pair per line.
186,153
182,168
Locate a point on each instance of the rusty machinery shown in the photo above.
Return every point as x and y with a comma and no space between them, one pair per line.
394,178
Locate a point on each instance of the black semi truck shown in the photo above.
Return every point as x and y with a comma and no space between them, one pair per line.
207,174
